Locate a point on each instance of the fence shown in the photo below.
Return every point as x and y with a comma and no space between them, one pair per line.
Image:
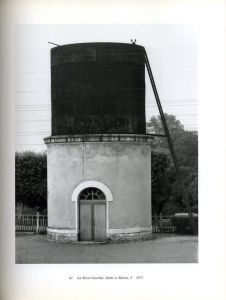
38,223
31,223
162,224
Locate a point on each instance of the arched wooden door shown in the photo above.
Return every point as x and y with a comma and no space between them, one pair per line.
92,215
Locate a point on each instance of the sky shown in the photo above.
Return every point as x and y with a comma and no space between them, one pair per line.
172,52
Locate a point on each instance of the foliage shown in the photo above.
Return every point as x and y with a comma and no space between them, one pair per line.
167,197
31,179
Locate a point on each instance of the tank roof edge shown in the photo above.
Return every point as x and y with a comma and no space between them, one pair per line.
98,43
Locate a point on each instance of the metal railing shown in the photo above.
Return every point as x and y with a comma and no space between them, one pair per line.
31,223
162,224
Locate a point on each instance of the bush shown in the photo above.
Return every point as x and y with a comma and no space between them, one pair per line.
182,223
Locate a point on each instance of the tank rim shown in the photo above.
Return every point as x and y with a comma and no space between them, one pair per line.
98,43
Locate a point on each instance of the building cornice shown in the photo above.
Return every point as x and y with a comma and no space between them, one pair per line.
81,138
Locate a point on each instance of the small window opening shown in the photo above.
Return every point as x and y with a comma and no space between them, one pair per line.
92,194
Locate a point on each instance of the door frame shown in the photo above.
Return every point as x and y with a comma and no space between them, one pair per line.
75,198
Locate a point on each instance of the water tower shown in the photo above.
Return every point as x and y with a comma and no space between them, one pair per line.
98,154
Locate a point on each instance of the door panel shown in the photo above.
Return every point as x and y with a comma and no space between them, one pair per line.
99,215
85,222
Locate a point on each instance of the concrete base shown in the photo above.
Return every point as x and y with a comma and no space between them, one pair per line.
61,235
136,236
114,235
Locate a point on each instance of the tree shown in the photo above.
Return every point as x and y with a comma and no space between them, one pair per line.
31,180
186,148
155,126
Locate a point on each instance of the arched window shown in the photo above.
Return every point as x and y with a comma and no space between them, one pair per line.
92,194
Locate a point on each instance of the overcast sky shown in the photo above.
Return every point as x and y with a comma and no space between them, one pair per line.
172,51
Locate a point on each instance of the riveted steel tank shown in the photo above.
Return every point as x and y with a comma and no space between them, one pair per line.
98,88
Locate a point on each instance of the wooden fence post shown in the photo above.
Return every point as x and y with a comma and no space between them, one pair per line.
37,222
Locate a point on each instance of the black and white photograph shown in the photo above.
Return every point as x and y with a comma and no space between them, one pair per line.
106,144
112,150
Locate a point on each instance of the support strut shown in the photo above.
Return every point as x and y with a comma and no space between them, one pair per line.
176,164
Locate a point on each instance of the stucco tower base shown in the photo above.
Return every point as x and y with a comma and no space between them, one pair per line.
118,165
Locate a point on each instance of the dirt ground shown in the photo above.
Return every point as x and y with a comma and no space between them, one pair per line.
163,248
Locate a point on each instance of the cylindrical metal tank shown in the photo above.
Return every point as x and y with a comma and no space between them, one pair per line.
98,88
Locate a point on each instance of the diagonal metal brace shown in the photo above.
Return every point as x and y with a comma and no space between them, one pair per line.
166,129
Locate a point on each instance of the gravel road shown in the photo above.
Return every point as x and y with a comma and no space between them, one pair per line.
35,249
